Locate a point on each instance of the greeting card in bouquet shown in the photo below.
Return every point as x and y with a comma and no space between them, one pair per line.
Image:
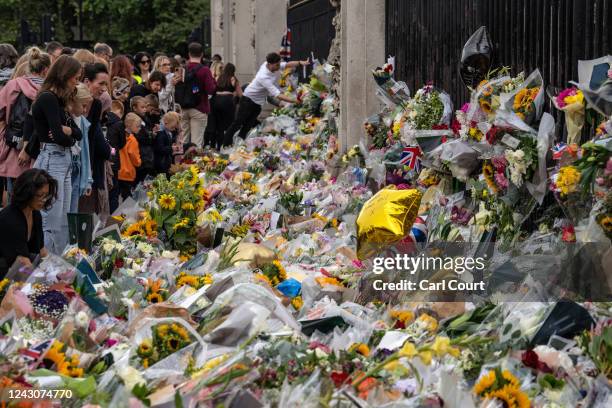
324,325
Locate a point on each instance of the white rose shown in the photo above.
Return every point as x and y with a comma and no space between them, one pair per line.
167,254
81,320
320,353
108,248
130,377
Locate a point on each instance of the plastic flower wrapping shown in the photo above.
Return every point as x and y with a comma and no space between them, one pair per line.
248,277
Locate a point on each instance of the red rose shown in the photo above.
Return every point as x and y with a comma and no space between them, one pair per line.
339,378
569,235
439,127
399,325
530,359
119,263
455,126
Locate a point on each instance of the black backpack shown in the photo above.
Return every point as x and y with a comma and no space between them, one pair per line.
14,127
187,93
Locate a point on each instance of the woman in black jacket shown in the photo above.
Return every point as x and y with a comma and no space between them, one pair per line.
56,132
21,222
115,135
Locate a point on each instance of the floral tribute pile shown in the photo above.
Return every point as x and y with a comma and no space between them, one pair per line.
237,281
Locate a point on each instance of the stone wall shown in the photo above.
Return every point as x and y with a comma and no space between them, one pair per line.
244,31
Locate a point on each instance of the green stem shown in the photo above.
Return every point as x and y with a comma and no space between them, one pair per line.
377,368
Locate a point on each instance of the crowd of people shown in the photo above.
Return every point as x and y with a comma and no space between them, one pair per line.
79,130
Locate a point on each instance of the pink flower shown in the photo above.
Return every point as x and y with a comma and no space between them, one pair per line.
465,108
358,264
564,94
610,73
111,342
501,180
318,345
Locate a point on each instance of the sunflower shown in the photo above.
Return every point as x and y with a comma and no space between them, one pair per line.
190,280
76,372
297,302
180,185
282,273
521,99
484,383
263,278
485,106
606,223
54,353
155,297
324,280
145,349
162,330
187,207
172,344
403,316
167,201
181,331
134,229
151,228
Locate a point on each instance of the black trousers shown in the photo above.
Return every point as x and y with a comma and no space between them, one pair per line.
222,114
246,119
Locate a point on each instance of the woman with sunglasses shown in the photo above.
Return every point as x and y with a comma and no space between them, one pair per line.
142,69
21,222
167,67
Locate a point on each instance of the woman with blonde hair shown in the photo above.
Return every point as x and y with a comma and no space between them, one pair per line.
163,64
15,122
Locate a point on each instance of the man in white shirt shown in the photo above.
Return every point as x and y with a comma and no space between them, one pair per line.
263,85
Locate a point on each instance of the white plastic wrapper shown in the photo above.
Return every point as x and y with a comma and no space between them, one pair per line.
304,395
506,115
538,186
175,364
475,112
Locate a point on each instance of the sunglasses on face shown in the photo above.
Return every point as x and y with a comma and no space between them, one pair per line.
145,61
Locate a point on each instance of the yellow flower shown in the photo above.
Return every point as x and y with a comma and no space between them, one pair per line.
431,324
134,229
606,224
263,278
486,106
484,383
361,348
208,280
568,179
397,127
180,185
155,297
408,350
210,364
167,201
282,274
184,279
162,330
403,316
425,357
334,222
511,396
145,349
578,98
145,363
324,280
181,331
5,282
475,133
297,302
187,207
441,346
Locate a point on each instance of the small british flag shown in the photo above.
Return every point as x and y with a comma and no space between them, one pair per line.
411,157
34,353
558,150
285,52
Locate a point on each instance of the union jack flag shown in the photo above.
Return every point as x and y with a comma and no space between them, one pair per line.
285,51
558,150
35,352
411,157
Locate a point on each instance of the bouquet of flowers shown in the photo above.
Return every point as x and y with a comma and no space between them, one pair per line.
166,339
175,206
522,107
382,75
428,108
571,101
486,98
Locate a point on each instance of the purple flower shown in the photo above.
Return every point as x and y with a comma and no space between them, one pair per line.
460,216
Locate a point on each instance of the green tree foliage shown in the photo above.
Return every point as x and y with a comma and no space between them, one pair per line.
127,25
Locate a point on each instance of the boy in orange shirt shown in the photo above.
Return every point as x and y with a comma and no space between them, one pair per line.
129,155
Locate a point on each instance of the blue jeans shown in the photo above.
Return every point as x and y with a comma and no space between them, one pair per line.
57,161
